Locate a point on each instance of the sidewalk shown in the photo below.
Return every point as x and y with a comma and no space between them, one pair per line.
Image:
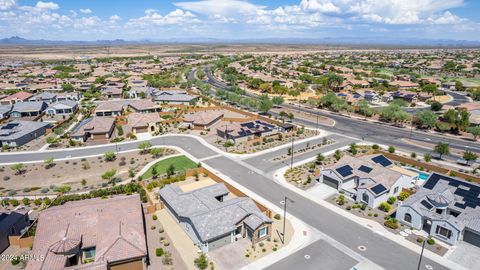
372,225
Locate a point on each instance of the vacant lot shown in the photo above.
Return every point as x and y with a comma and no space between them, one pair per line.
180,164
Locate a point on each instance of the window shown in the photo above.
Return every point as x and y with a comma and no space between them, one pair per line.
408,218
262,232
395,190
443,231
439,211
365,197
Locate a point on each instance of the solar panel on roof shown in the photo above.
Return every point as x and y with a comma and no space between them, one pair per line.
344,170
378,189
365,169
382,161
426,204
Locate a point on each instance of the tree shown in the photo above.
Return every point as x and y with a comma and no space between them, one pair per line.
436,106
427,157
459,86
66,87
394,113
442,149
391,149
18,168
83,182
475,131
154,172
289,151
338,155
320,158
51,140
171,170
364,109
469,156
426,118
201,262
108,175
430,88
265,104
458,117
49,162
353,148
277,100
144,147
109,156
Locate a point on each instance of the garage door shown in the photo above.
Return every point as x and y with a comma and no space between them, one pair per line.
219,243
330,182
472,238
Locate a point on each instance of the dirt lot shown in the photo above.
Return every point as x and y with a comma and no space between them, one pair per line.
38,176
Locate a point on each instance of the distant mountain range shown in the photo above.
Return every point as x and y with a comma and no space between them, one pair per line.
344,41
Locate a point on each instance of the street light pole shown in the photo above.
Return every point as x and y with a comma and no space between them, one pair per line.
316,128
411,128
285,216
423,244
291,162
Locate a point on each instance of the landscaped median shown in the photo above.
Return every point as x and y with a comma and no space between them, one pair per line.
170,166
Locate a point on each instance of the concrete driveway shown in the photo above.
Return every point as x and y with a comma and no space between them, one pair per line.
466,255
321,191
231,256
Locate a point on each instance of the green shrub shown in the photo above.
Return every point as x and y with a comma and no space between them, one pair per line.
159,252
431,241
391,200
403,195
384,206
154,217
391,223
420,239
391,149
375,147
276,216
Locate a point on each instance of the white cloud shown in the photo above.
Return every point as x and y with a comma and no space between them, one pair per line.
114,18
46,5
323,6
152,16
7,4
85,10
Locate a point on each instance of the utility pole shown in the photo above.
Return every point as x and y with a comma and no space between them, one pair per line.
316,128
411,128
423,245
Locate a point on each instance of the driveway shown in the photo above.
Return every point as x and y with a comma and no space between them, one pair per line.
231,256
321,191
466,255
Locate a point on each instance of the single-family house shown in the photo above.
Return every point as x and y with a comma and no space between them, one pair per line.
445,207
367,179
144,106
173,97
144,122
65,107
12,223
19,132
74,96
28,109
109,109
16,97
111,92
240,131
5,111
211,219
404,84
91,234
94,128
203,119
46,97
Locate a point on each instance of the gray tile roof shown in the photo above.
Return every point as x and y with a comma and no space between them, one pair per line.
18,128
64,104
451,193
35,106
210,217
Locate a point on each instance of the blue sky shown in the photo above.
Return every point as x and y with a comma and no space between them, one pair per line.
239,19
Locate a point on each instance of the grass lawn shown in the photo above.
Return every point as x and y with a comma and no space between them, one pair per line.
181,163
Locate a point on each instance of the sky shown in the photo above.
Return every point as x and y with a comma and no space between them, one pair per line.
160,20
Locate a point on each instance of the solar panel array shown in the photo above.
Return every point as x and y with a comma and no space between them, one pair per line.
345,170
365,169
378,189
380,159
426,204
469,192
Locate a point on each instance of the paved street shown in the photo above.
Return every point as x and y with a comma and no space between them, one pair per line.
319,255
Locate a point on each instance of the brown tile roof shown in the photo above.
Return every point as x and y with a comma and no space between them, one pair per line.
203,117
18,96
143,119
97,125
114,226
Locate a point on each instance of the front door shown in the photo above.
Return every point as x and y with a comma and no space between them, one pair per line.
238,231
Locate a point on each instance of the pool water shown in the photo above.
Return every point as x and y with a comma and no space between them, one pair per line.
423,176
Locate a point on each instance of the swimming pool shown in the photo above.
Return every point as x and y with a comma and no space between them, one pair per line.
423,176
